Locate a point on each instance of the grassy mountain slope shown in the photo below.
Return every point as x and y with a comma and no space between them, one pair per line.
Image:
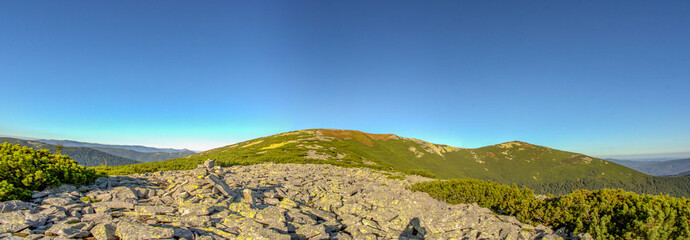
84,156
657,168
144,156
540,168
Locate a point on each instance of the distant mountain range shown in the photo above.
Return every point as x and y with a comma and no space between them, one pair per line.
145,156
658,168
686,173
93,154
138,148
543,169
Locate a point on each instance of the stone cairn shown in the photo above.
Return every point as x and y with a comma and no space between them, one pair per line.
262,201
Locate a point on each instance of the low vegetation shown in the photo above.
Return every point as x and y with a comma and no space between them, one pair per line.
606,213
23,170
421,172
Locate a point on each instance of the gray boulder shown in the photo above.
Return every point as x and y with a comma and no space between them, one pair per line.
104,231
219,184
13,205
210,163
71,230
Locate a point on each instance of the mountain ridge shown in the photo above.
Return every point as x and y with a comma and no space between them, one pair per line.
138,148
657,168
84,156
540,168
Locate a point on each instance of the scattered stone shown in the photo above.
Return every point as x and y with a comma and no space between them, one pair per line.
13,205
248,197
97,217
113,205
310,231
194,209
57,201
219,184
128,230
210,163
123,194
153,209
263,201
104,231
70,230
13,227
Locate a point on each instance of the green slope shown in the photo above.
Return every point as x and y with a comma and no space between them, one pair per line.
82,155
543,169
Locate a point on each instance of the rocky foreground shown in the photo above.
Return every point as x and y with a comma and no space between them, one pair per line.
264,201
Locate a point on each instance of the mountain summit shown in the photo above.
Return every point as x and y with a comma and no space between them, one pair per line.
510,161
541,168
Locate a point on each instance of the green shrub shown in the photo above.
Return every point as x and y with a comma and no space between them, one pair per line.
606,214
497,197
421,172
23,170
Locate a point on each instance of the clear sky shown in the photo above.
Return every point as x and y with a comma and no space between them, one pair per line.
596,77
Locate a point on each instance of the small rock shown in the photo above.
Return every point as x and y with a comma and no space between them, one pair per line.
309,231
10,236
97,217
13,227
248,197
57,201
104,231
13,205
78,230
210,163
195,209
219,184
153,209
128,230
182,233
123,193
113,204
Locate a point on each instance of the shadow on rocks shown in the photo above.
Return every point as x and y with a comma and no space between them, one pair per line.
414,230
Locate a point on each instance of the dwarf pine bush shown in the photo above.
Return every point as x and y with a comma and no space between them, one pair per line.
421,172
23,170
606,214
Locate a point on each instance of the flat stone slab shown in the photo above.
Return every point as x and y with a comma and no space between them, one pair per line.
154,209
13,205
128,230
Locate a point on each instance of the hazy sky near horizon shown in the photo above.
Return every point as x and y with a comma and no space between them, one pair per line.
597,77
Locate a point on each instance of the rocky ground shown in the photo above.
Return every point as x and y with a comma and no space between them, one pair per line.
264,201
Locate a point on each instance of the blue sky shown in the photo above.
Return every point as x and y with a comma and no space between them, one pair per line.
601,78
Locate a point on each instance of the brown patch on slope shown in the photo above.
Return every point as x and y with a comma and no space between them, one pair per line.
362,137
381,137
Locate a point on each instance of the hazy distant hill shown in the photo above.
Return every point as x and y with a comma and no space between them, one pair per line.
69,143
540,168
660,168
144,156
686,173
83,155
